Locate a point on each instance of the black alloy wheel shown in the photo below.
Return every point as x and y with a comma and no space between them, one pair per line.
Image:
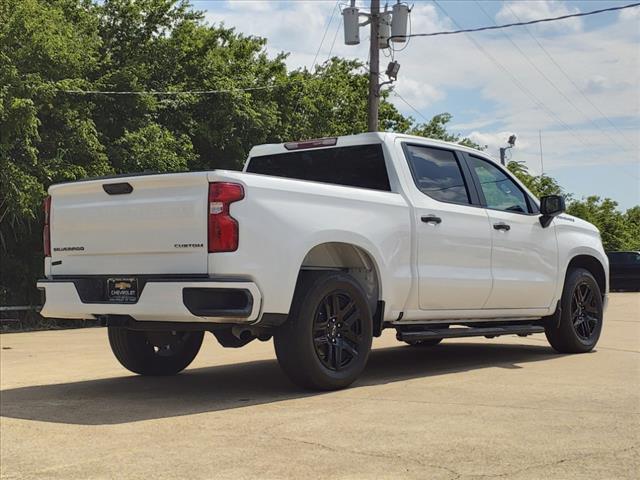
325,343
578,327
337,331
585,312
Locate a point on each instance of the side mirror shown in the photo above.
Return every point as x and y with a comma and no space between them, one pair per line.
550,206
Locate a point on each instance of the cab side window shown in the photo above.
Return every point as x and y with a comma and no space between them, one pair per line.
500,192
437,173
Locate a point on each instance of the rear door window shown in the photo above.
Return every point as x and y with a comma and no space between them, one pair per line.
437,173
360,166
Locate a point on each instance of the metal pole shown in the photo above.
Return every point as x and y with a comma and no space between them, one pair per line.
502,152
374,68
541,160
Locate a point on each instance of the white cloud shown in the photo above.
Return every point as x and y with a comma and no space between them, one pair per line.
418,94
425,18
599,84
479,122
493,141
525,11
630,14
249,6
295,27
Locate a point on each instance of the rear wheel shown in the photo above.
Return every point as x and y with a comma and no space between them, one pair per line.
154,353
581,316
326,342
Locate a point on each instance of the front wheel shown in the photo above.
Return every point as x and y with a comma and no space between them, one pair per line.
154,353
326,342
581,316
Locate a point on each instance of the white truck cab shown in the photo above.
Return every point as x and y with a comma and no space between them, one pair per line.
322,244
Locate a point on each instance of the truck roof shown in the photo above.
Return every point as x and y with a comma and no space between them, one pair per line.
365,138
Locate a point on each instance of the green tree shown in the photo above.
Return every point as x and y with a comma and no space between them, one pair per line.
44,137
619,231
632,224
539,185
153,148
437,128
615,230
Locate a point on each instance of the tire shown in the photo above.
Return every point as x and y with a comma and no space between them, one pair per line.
325,343
154,353
432,342
581,316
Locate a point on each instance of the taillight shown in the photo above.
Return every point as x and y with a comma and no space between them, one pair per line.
46,233
223,228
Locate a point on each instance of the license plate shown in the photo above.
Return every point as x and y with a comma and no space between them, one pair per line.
122,290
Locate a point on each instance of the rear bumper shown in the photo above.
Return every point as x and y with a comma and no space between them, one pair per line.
161,300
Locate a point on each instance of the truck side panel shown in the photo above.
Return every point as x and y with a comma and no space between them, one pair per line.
281,220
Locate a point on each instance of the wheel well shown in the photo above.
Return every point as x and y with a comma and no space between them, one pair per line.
351,259
593,265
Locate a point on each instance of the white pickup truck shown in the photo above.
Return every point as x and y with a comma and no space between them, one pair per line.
321,245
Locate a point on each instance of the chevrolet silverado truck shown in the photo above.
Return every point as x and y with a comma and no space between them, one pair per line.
321,245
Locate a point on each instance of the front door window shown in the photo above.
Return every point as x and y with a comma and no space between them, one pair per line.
500,192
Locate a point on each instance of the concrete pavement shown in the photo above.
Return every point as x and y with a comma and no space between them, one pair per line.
471,408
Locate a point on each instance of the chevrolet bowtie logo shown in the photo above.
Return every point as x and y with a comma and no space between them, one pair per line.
122,285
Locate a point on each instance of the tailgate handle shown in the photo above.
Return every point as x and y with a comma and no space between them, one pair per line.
117,188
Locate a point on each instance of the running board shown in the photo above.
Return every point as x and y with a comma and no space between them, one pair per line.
426,334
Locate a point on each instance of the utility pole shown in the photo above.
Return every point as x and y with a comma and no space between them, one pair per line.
374,68
386,27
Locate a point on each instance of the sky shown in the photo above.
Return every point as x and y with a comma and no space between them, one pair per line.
573,84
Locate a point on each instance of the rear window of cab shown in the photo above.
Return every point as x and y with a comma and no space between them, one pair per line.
361,166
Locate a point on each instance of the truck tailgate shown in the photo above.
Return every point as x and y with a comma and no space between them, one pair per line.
159,227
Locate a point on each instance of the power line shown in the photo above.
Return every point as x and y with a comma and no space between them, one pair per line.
397,94
516,24
515,81
410,106
566,75
315,58
549,81
168,92
333,43
523,88
333,12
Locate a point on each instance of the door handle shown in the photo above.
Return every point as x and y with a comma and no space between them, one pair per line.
501,226
431,219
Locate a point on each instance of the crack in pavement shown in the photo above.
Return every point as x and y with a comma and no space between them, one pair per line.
457,475
473,404
454,475
573,458
373,454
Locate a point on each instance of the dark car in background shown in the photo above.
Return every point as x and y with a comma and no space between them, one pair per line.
624,270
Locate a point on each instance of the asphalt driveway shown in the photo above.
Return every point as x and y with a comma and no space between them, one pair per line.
471,408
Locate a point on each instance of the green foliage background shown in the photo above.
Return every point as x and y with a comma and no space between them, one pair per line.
619,230
48,134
